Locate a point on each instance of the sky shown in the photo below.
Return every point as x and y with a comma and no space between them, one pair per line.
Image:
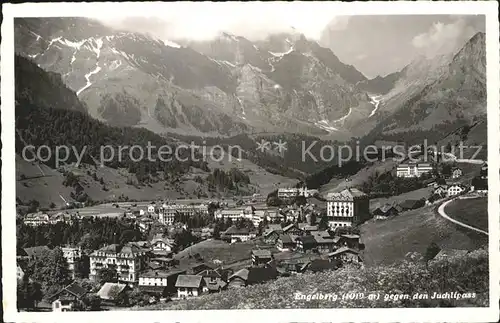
375,45
380,45
253,20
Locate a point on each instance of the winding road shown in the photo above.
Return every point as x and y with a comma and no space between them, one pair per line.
441,212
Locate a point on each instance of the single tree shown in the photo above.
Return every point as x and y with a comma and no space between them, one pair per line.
323,223
107,275
431,251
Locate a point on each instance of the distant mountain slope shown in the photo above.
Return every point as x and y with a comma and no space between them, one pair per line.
224,87
379,84
47,113
454,92
32,81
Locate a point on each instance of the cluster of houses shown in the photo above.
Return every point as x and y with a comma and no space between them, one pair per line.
336,244
42,218
150,266
299,245
479,186
292,192
267,214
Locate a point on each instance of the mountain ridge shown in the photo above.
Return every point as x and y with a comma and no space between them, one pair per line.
139,72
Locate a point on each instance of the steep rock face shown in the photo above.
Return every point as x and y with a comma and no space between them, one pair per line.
455,92
226,86
121,75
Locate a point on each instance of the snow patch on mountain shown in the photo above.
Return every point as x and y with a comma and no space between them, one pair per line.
375,100
75,45
344,117
282,54
74,57
37,35
87,77
325,125
171,44
242,108
52,41
229,63
97,48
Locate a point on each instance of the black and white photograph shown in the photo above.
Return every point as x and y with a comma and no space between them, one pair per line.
199,161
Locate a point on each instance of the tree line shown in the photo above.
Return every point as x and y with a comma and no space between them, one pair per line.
90,233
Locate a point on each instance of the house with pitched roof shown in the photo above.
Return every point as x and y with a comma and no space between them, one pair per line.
110,291
189,286
350,241
67,298
272,233
319,265
456,172
161,243
441,190
261,257
306,243
286,242
346,255
292,228
385,211
215,280
325,242
159,282
251,276
234,234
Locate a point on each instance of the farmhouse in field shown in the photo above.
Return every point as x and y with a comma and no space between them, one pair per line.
68,297
233,234
385,211
189,286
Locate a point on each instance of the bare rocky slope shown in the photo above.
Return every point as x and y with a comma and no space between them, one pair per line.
224,87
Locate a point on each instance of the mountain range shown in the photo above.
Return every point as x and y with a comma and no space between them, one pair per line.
226,86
